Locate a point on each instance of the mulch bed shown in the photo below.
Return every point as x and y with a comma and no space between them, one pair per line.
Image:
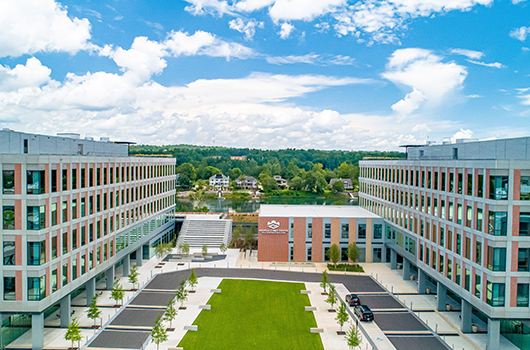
191,291
182,308
323,293
332,310
161,263
95,327
158,266
170,329
341,333
180,264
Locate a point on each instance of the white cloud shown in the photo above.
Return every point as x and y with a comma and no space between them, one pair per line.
493,65
515,2
462,134
30,26
520,33
203,43
474,96
200,7
249,28
311,58
285,30
475,55
424,72
32,75
421,127
307,10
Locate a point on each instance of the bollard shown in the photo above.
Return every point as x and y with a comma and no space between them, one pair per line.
392,289
214,266
151,273
227,266
411,305
427,322
437,328
376,276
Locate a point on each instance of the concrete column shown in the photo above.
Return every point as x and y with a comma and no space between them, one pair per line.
90,287
66,307
466,317
393,259
126,265
139,254
406,269
422,281
110,273
442,296
37,331
494,334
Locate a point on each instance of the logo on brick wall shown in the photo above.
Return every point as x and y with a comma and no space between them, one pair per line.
273,224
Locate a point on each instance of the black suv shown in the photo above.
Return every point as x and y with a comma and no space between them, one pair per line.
353,300
364,313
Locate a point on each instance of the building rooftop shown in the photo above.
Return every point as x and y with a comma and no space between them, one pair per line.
315,211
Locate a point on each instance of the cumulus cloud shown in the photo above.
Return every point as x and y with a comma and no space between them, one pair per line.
30,26
285,30
430,79
31,75
462,134
520,33
249,28
307,10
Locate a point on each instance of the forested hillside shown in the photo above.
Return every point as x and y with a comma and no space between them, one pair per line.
201,162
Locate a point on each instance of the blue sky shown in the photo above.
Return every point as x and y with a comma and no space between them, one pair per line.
325,74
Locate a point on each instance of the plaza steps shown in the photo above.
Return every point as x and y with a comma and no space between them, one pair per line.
210,232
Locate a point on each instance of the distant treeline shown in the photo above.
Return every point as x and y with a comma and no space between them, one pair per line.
288,163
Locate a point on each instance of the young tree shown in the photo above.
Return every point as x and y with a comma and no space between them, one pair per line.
337,187
171,312
117,292
249,238
93,311
184,248
159,333
332,297
296,183
342,316
192,280
133,275
334,253
204,250
182,296
353,252
223,248
162,249
236,235
73,333
324,281
184,284
353,337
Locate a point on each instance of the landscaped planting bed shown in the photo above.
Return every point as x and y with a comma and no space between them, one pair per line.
255,315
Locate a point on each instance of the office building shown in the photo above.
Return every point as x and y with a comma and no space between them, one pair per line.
458,219
73,209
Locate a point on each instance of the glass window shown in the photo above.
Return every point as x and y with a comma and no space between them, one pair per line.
54,281
495,294
64,212
65,242
345,231
361,231
36,217
525,188
8,182
467,283
9,288
8,218
309,254
344,254
523,259
498,187
479,219
54,247
9,253
36,288
377,254
480,186
36,253
74,179
310,230
522,295
459,214
74,269
64,177
497,223
478,256
327,230
378,231
469,184
468,248
478,285
458,243
469,218
497,259
524,224
35,182
460,183
54,180
54,213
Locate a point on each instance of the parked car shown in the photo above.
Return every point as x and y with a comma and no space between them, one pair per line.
353,300
364,313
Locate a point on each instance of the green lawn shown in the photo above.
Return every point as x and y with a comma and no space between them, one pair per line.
255,315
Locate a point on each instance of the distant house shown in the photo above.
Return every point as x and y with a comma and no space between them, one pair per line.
248,183
280,181
347,183
219,180
238,157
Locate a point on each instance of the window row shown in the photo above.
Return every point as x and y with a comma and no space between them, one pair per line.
344,232
35,179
